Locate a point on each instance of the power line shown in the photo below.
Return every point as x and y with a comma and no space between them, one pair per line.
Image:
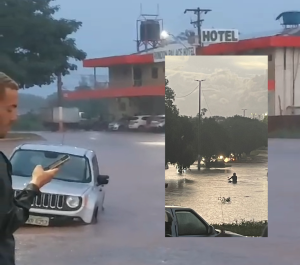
189,93
206,103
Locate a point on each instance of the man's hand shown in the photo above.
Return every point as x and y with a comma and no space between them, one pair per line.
40,177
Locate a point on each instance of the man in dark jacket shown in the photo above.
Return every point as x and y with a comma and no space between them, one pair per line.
14,212
265,232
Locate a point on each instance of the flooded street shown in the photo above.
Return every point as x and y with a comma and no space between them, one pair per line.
131,230
200,191
134,162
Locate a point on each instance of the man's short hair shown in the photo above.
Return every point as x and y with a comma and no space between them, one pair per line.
6,82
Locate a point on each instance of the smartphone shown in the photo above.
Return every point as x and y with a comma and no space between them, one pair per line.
58,163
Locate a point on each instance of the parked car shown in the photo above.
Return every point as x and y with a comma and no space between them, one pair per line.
75,194
119,125
185,222
138,122
158,123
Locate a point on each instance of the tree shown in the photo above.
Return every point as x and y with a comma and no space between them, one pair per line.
180,134
169,99
214,140
185,143
172,124
35,47
265,120
246,134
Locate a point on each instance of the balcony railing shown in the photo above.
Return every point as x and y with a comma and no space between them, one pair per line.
117,84
102,82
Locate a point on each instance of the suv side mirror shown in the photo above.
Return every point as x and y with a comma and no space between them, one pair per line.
102,179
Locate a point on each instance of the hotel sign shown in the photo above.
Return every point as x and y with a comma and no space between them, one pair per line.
159,56
219,35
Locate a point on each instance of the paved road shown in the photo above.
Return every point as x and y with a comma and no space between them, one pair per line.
132,227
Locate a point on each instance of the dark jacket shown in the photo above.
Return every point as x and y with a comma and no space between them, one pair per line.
14,212
265,232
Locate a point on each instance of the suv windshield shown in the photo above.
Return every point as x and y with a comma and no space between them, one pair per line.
75,170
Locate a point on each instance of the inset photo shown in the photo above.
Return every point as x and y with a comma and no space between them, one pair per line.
216,168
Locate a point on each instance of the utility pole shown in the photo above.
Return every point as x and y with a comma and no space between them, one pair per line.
60,102
198,23
244,110
199,123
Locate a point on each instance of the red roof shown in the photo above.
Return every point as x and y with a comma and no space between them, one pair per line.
119,60
249,44
116,92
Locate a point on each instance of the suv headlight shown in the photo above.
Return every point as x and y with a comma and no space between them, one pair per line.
73,201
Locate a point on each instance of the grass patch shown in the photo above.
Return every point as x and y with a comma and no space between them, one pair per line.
285,134
245,228
27,136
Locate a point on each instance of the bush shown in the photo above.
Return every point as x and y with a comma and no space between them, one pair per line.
245,228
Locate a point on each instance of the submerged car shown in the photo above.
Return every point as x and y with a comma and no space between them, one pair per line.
185,222
75,194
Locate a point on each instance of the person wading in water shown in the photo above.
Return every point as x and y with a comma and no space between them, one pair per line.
233,178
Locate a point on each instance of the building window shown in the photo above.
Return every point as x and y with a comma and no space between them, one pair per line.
137,76
154,72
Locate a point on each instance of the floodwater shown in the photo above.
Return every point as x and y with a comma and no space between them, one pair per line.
131,229
201,191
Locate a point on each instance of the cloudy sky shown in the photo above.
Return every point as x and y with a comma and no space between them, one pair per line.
232,83
109,27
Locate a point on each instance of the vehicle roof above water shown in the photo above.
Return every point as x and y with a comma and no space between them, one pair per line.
72,150
177,207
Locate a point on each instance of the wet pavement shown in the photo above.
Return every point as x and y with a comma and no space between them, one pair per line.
201,191
131,229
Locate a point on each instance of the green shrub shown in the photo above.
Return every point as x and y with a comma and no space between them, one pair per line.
245,228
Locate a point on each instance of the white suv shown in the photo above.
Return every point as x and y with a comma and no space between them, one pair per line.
138,122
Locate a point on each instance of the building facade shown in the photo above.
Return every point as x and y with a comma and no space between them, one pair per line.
136,85
137,81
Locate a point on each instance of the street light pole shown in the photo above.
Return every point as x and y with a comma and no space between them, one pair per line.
244,111
199,123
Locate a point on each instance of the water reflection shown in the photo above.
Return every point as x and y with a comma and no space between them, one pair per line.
249,197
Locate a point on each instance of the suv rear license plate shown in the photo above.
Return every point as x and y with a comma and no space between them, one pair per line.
37,220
